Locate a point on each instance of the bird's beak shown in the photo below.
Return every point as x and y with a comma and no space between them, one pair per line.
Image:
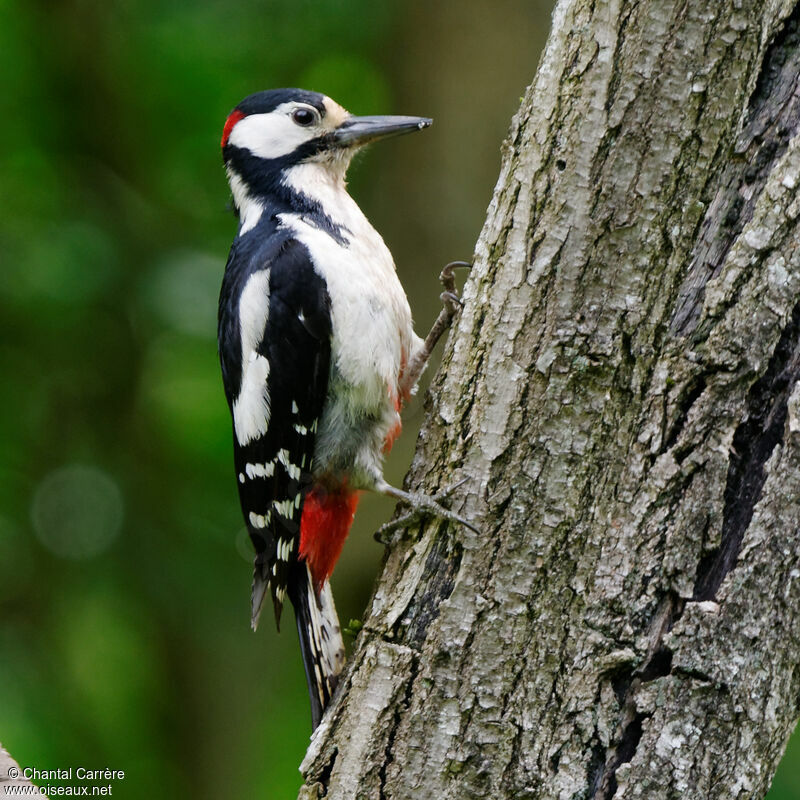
355,131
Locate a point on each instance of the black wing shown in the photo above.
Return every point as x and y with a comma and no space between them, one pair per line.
273,467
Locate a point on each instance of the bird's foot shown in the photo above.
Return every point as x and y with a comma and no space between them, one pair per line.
451,302
450,298
421,506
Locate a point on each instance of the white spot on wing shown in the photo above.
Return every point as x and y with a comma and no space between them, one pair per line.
283,551
258,520
292,470
260,470
284,508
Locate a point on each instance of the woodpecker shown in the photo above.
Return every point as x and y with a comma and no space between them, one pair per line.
318,353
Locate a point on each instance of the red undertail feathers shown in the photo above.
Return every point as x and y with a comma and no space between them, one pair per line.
327,517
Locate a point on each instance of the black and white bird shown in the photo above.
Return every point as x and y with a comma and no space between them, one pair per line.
318,353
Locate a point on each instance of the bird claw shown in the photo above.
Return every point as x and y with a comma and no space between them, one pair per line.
421,505
450,297
452,302
446,277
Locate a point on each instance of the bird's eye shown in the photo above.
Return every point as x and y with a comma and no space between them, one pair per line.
303,116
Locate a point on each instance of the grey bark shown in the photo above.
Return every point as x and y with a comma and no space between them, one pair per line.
11,775
621,391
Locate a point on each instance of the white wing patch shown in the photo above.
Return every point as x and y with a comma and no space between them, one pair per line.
251,407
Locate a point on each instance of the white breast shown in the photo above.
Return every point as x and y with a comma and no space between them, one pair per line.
373,336
372,327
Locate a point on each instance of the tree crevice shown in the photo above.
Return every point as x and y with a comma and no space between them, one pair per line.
626,684
772,120
756,437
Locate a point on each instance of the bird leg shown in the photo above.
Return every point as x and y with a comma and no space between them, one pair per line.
421,505
452,304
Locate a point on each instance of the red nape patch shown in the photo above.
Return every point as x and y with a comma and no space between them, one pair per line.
234,117
327,517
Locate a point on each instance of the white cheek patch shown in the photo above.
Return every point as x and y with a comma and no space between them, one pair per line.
271,135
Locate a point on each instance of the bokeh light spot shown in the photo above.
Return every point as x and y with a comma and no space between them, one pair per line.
244,547
77,511
183,290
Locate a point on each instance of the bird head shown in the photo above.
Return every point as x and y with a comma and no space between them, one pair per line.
271,133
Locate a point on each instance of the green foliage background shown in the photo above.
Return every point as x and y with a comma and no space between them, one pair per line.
124,567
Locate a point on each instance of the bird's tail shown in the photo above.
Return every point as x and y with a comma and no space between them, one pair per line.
320,641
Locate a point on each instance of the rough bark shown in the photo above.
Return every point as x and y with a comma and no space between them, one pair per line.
11,775
621,393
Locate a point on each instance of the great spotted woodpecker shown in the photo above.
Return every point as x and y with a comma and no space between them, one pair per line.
318,353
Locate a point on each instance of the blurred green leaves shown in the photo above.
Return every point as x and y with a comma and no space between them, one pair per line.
43,268
181,395
124,576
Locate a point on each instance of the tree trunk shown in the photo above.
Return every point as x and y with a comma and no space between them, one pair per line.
621,393
11,775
